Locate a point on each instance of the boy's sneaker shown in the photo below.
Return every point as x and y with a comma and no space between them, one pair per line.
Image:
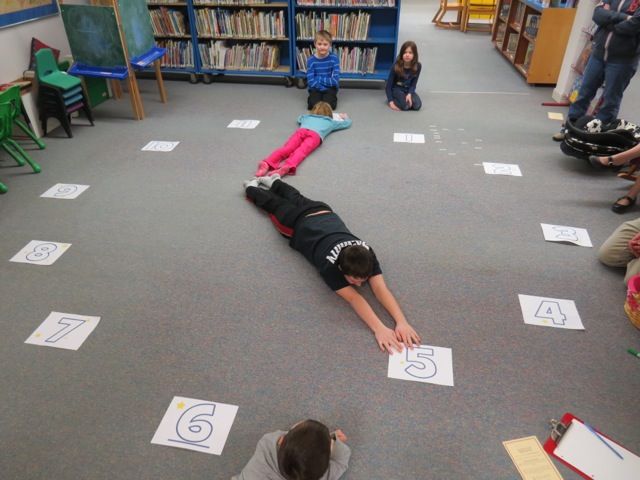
559,137
263,168
268,181
250,183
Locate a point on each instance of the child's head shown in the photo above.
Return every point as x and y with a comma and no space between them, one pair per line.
322,42
322,108
408,57
356,263
304,452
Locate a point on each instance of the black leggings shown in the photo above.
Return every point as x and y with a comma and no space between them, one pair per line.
330,95
284,202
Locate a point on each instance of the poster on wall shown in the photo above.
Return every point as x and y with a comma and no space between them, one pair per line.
13,12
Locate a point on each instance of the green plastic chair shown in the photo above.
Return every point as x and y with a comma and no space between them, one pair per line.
12,95
10,145
49,74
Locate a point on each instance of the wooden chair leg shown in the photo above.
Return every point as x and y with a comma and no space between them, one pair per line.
163,92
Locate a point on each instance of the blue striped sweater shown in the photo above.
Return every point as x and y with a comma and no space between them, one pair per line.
323,73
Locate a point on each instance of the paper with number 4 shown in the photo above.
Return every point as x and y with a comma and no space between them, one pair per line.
197,425
550,312
408,137
424,364
63,330
562,233
243,124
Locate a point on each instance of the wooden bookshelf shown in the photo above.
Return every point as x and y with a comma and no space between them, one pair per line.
536,55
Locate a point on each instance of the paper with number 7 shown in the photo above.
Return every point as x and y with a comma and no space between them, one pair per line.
426,364
198,425
550,312
63,330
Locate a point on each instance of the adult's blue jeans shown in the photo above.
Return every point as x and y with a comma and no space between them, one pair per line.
616,78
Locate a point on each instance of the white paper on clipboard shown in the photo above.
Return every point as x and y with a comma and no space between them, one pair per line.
583,450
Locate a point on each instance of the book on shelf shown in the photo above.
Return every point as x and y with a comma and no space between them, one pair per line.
167,22
502,28
217,55
164,2
504,9
512,43
342,26
528,55
229,2
532,25
347,3
352,60
519,14
250,23
179,54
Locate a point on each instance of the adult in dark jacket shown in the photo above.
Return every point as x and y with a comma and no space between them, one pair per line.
613,60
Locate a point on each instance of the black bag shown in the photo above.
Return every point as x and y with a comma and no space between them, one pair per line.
580,143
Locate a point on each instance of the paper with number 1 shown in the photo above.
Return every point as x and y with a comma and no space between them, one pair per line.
550,312
426,364
198,425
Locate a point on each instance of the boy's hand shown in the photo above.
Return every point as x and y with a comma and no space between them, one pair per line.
387,341
340,435
407,335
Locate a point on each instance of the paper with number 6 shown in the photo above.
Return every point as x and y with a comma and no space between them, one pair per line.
198,425
550,312
426,364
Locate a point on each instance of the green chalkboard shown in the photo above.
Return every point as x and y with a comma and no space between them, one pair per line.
136,23
93,35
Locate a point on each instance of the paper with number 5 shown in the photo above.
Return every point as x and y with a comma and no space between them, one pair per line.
550,312
426,364
198,425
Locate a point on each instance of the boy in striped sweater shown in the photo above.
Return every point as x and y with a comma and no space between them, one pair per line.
323,72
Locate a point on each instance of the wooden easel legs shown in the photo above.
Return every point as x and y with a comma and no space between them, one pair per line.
163,92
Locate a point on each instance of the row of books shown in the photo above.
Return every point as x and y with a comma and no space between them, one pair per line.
352,60
349,3
179,53
168,22
252,56
532,25
228,2
241,23
504,9
163,2
342,26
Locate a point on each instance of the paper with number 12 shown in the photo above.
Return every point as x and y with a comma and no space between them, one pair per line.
198,425
550,312
426,364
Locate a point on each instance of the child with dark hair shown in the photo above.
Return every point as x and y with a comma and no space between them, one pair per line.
342,259
306,452
403,78
314,128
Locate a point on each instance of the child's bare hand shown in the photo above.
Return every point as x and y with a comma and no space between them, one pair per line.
340,435
393,106
409,100
387,340
407,335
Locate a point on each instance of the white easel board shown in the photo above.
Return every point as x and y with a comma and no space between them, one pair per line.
587,454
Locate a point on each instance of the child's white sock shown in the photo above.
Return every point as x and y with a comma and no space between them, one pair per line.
268,181
250,183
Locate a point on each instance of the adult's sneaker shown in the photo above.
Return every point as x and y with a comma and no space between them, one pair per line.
558,137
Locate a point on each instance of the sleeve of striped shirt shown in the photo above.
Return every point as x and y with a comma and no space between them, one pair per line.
313,81
333,80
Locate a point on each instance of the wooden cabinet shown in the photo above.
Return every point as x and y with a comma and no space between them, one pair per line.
532,37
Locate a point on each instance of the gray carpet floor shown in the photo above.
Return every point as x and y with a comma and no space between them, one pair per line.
200,297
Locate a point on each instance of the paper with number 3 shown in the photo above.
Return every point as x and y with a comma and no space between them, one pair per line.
426,364
550,312
198,425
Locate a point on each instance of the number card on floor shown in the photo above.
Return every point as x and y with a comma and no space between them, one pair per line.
247,124
426,364
63,330
38,252
564,234
408,137
67,191
501,169
196,425
550,312
160,146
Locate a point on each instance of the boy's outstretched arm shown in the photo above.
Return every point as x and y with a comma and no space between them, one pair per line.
385,337
404,332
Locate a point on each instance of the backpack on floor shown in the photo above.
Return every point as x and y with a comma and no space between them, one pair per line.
587,136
